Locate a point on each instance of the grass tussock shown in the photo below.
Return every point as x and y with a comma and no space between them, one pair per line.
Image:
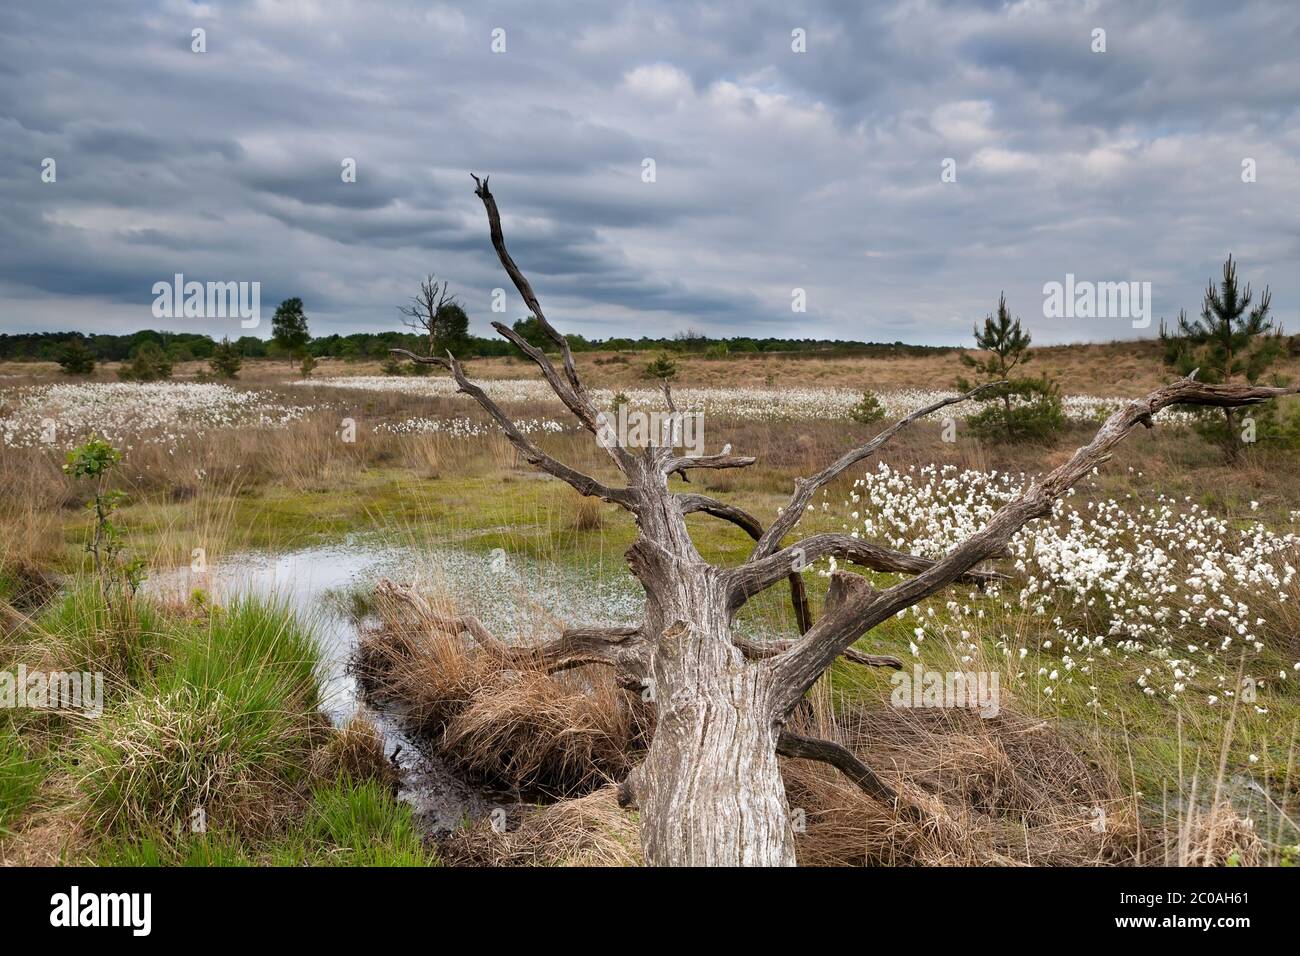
591,830
211,749
78,631
551,735
587,514
354,753
1010,790
1218,836
224,729
555,735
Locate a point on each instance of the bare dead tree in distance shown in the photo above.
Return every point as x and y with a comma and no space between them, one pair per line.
422,313
709,789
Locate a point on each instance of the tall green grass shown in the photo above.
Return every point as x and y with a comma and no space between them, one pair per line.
77,631
363,825
210,717
346,824
225,726
20,776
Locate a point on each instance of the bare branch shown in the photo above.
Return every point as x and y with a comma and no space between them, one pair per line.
840,757
521,283
752,578
561,388
798,668
667,389
805,488
422,359
422,313
762,650
583,484
707,461
570,392
668,395
690,503
581,407
575,647
674,465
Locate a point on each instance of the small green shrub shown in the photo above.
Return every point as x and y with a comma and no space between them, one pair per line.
149,363
868,410
1020,410
662,367
226,360
1017,409
119,578
76,359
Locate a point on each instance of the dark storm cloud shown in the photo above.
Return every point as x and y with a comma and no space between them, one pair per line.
774,170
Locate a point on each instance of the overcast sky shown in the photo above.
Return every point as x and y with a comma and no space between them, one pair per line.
774,169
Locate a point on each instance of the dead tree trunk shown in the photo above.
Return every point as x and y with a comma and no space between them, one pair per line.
712,793
710,789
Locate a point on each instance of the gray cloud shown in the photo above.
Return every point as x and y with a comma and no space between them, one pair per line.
775,170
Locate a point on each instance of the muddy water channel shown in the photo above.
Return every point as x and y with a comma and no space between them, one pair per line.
511,598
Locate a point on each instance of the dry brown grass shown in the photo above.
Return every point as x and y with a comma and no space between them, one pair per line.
1218,836
591,830
46,837
1105,368
549,735
151,764
1112,369
585,514
1009,790
355,753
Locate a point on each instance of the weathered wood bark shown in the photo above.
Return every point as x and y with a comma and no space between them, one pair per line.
711,785
710,789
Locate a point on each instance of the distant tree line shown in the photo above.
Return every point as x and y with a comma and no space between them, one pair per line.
190,346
